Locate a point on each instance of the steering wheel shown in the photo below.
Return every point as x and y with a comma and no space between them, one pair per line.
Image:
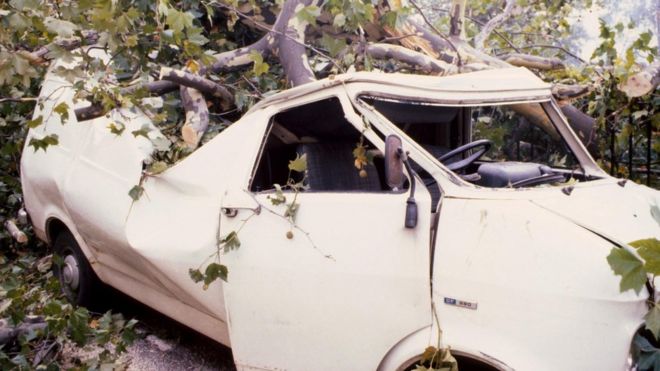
483,145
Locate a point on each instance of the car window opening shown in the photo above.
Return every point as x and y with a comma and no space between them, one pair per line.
494,146
320,131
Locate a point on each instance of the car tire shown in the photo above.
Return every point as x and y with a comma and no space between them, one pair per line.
78,282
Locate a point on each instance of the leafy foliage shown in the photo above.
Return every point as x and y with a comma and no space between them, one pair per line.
29,293
635,273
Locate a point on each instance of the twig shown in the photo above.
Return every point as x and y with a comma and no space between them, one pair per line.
547,46
252,85
482,24
18,100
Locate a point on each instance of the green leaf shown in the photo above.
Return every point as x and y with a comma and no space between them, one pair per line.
631,270
299,164
60,27
157,167
142,132
231,241
279,197
78,326
309,14
652,320
62,109
332,44
35,122
195,275
116,129
213,272
649,250
136,192
44,143
259,67
178,20
339,21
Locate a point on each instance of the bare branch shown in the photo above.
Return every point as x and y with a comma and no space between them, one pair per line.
495,22
197,82
40,56
567,92
548,46
18,100
533,61
482,24
402,54
457,15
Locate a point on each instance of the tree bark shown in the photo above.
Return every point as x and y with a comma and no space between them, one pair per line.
495,22
289,43
410,57
533,61
197,82
15,232
642,82
197,116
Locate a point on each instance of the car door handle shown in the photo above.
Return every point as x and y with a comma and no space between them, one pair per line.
235,200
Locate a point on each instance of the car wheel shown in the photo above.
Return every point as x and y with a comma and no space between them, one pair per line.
78,281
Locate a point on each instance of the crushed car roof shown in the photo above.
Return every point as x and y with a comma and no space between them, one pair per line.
515,79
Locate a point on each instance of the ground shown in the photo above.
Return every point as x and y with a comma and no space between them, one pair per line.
167,345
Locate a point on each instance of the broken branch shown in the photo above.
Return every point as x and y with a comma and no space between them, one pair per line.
410,57
197,82
15,232
533,61
567,92
642,82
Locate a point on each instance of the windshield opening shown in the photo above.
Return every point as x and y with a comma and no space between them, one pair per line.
497,146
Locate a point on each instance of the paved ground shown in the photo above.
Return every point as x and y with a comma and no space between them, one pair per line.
168,345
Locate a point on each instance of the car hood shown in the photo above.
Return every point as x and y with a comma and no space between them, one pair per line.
622,213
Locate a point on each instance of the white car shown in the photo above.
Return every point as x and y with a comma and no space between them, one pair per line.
463,206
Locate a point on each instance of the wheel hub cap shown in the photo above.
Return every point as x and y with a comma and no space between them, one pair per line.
70,274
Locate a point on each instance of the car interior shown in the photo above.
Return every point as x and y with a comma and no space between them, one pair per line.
320,131
490,146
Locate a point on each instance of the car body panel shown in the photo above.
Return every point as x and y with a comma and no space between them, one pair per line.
524,270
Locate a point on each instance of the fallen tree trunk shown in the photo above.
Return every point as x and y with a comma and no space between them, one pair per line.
643,82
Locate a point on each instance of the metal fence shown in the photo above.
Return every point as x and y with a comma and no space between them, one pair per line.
633,156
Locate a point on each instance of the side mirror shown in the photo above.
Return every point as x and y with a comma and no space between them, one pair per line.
394,162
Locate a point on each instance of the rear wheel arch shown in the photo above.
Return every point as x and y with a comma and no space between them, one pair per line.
407,353
54,227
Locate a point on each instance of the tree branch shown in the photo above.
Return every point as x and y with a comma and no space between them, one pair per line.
642,82
15,232
495,22
533,61
40,56
197,116
410,57
567,92
445,38
197,82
